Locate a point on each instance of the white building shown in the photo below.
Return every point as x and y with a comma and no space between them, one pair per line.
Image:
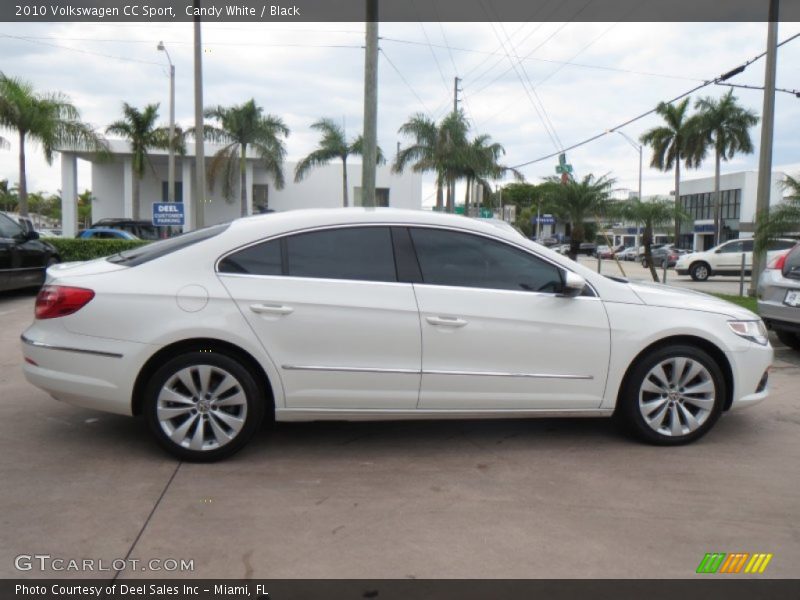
112,187
737,204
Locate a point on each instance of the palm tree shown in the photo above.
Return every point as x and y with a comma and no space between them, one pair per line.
724,125
49,119
677,139
242,126
332,145
482,163
439,148
781,218
139,128
576,202
8,196
651,215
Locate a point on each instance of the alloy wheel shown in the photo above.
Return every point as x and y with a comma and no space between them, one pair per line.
202,407
677,396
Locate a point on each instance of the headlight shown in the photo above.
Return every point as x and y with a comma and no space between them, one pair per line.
755,331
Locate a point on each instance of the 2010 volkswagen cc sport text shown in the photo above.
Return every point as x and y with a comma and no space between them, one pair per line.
357,314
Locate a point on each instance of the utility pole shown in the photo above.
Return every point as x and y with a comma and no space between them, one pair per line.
451,186
171,164
370,154
767,127
199,203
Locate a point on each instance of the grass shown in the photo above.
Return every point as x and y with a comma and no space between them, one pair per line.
743,301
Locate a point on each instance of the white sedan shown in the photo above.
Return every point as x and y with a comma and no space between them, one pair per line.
355,314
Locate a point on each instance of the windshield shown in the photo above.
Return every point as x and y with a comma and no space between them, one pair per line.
143,254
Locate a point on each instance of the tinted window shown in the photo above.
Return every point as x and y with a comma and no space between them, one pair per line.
149,252
354,253
791,268
261,259
452,258
781,244
747,246
732,247
8,229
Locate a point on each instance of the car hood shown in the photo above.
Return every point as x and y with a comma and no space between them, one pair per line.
657,294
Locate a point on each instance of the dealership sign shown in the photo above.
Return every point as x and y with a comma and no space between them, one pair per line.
166,214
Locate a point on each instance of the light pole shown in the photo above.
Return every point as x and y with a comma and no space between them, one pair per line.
171,167
638,148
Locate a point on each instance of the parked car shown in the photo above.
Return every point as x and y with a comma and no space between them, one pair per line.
143,230
609,252
561,249
726,259
600,249
50,233
105,233
779,296
588,248
548,241
630,253
23,256
667,254
351,314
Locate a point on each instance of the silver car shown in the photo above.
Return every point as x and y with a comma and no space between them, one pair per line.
779,297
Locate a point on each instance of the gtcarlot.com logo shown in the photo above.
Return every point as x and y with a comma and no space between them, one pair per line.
737,562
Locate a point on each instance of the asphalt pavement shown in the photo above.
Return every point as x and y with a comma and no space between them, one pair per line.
548,498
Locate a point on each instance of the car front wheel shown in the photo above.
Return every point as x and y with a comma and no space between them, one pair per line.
203,406
699,271
673,396
789,338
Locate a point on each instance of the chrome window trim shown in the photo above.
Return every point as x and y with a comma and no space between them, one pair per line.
283,234
31,342
433,372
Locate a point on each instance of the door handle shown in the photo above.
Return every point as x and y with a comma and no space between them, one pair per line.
446,321
271,309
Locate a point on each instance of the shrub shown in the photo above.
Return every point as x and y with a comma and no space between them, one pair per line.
78,249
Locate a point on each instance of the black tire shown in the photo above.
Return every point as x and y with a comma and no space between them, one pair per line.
632,416
700,271
644,263
250,410
790,338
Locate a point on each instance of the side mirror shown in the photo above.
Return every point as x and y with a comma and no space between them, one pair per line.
32,235
574,284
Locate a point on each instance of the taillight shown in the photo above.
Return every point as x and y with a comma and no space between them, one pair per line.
59,301
778,262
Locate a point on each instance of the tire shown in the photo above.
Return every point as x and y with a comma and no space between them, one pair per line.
188,386
644,263
700,271
649,408
790,338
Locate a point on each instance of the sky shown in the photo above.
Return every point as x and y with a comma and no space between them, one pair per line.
575,80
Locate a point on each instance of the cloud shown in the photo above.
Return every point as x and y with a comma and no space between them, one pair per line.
306,71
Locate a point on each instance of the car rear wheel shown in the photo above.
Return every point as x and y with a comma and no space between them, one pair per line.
699,271
789,338
673,396
203,406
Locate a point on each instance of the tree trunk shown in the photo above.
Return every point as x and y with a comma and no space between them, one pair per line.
243,179
677,200
344,182
135,196
647,238
717,211
575,239
449,195
466,197
439,195
23,182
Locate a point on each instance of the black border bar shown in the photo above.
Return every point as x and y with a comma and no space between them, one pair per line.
264,11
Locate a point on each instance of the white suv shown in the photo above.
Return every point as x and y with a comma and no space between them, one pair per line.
726,259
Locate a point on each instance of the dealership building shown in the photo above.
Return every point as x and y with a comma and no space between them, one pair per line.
112,186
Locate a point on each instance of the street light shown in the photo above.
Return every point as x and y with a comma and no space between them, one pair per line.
638,148
171,167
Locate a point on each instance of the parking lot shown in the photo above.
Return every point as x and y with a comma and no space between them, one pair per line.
467,499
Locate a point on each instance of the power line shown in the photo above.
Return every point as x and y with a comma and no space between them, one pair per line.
80,50
413,91
759,87
716,80
549,60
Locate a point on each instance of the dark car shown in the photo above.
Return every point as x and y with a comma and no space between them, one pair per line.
587,248
664,254
23,256
144,230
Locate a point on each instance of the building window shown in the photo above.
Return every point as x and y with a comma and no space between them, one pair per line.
260,197
381,197
178,191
